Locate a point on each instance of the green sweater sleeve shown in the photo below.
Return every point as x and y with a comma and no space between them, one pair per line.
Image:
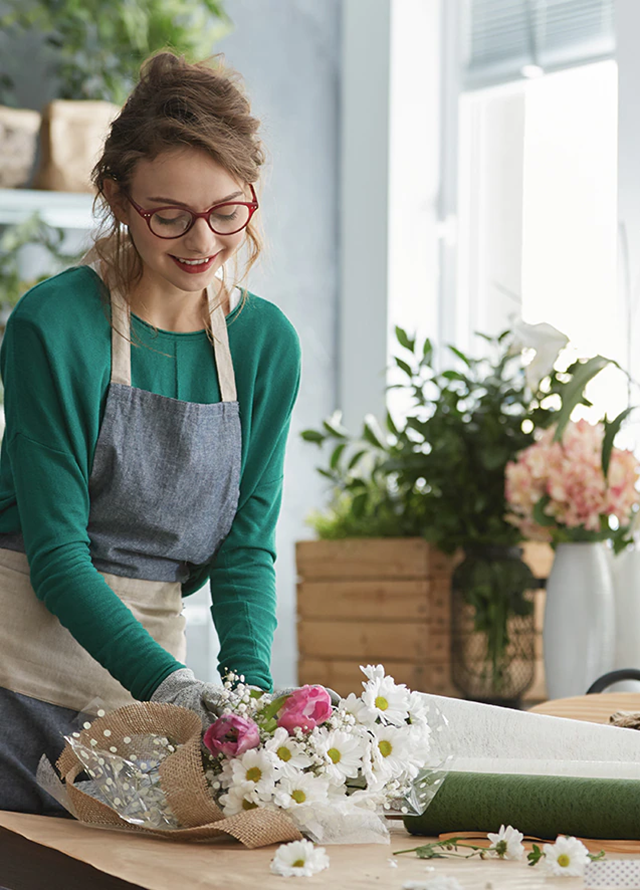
50,470
243,583
243,588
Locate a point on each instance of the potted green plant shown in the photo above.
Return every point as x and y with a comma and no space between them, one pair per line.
13,282
97,47
440,474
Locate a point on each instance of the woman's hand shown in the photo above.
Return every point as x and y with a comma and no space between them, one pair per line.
183,689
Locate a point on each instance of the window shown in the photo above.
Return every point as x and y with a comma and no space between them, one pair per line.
537,205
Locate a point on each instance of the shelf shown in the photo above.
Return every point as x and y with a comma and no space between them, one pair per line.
65,210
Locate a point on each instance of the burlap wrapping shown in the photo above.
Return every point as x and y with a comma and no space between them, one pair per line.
181,777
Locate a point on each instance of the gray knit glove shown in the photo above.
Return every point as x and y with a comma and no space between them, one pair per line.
183,689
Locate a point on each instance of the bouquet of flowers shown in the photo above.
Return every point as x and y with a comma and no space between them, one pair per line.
569,490
269,768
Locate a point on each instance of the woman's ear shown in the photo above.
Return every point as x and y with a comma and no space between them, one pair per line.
117,201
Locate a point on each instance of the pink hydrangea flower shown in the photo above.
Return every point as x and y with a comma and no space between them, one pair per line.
231,735
570,475
305,709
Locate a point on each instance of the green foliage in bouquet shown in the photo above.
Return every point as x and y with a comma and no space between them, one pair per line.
99,45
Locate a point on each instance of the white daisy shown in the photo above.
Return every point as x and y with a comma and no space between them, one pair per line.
342,753
507,843
299,859
239,798
418,708
387,700
290,755
302,789
256,767
372,672
419,739
389,756
354,705
568,857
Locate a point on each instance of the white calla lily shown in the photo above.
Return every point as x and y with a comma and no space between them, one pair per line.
547,343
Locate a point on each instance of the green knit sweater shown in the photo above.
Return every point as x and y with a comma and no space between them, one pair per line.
55,363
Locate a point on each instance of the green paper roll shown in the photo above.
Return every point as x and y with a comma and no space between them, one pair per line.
541,806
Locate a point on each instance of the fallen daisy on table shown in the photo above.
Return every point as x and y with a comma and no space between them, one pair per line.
567,857
299,859
507,843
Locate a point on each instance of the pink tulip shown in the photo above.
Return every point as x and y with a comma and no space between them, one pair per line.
305,709
231,735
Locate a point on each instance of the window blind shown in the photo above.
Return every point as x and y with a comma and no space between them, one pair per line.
503,38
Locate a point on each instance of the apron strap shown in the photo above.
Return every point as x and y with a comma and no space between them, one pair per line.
224,362
120,326
120,340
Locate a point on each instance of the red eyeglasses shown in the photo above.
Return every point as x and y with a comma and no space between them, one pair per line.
227,218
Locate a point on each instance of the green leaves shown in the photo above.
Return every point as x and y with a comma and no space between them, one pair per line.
440,473
535,855
611,430
404,339
572,392
99,45
32,230
313,436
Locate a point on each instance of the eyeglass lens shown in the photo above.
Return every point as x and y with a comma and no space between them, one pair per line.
224,220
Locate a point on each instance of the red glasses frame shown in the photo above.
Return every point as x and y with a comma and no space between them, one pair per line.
147,214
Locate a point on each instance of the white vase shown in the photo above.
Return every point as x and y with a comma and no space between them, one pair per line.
626,588
579,619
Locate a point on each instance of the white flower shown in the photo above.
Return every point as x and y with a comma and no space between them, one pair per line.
417,707
440,882
568,856
507,843
389,757
238,798
419,738
373,672
546,341
256,767
290,755
299,859
353,705
387,700
342,753
304,788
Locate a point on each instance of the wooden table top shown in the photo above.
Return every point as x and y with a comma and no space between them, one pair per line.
590,708
157,864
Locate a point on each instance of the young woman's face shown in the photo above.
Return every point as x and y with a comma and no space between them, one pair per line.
186,177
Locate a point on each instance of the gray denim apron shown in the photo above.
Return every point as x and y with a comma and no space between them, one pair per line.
164,490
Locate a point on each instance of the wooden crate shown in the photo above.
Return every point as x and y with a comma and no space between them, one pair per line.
385,600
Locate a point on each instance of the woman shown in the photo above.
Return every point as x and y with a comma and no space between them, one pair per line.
147,405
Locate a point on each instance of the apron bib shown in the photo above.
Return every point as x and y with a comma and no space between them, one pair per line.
164,491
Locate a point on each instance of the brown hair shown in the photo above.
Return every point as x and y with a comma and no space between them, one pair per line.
175,104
